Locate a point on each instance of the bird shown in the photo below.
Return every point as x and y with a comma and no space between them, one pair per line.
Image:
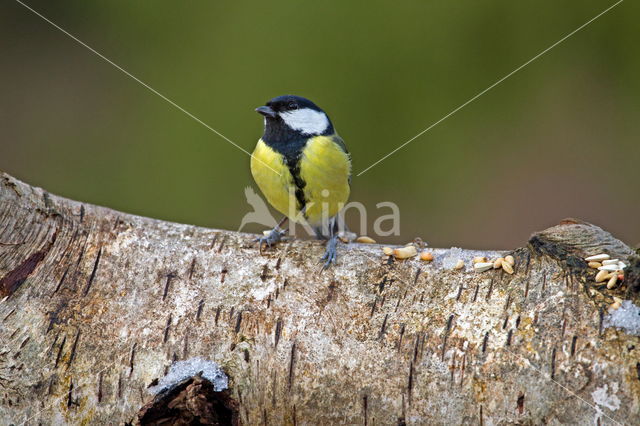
303,168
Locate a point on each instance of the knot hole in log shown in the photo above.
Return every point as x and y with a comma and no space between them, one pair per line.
192,402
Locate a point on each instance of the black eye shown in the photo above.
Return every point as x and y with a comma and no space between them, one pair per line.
293,105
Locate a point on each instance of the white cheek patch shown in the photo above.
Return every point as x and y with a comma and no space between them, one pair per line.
306,120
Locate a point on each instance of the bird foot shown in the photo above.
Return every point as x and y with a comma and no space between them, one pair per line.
274,236
331,253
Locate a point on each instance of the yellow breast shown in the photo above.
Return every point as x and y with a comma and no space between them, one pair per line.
274,179
324,168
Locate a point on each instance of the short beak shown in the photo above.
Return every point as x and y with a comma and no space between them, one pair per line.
266,111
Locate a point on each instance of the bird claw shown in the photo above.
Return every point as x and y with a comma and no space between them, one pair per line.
274,236
331,253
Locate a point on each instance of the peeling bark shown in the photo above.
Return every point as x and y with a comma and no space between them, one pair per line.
98,304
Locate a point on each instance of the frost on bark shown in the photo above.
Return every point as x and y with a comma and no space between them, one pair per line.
97,305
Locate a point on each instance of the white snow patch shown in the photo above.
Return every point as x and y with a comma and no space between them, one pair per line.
603,399
181,370
626,317
452,257
261,292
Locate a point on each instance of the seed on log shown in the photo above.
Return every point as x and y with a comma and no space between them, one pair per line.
365,240
613,281
426,256
482,266
610,268
405,252
601,276
506,266
597,258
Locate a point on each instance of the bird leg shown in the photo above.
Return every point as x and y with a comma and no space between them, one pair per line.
331,252
274,236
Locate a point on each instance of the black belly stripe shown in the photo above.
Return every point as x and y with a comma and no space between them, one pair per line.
290,146
294,169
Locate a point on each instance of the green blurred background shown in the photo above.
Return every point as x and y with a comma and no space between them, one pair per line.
557,139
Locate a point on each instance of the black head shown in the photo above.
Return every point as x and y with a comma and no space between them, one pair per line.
289,117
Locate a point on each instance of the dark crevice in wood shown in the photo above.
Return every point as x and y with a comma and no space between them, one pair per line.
192,268
490,290
193,401
238,323
11,312
93,273
73,349
459,292
365,409
64,275
200,308
60,349
14,278
217,317
292,365
167,327
520,403
401,336
265,273
70,401
170,277
278,332
99,391
132,358
445,336
224,240
383,327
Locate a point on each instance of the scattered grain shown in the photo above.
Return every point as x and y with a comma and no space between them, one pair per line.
601,276
498,263
405,252
613,281
506,266
597,258
426,256
615,267
365,240
482,266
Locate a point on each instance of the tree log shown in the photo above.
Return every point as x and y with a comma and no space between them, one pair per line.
97,305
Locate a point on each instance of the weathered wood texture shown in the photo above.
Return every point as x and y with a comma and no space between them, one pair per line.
97,304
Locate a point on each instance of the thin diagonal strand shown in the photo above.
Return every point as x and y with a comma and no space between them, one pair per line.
569,391
492,86
151,89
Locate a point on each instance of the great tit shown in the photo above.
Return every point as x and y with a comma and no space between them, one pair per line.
303,168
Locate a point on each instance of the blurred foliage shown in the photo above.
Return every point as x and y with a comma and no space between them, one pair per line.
559,138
